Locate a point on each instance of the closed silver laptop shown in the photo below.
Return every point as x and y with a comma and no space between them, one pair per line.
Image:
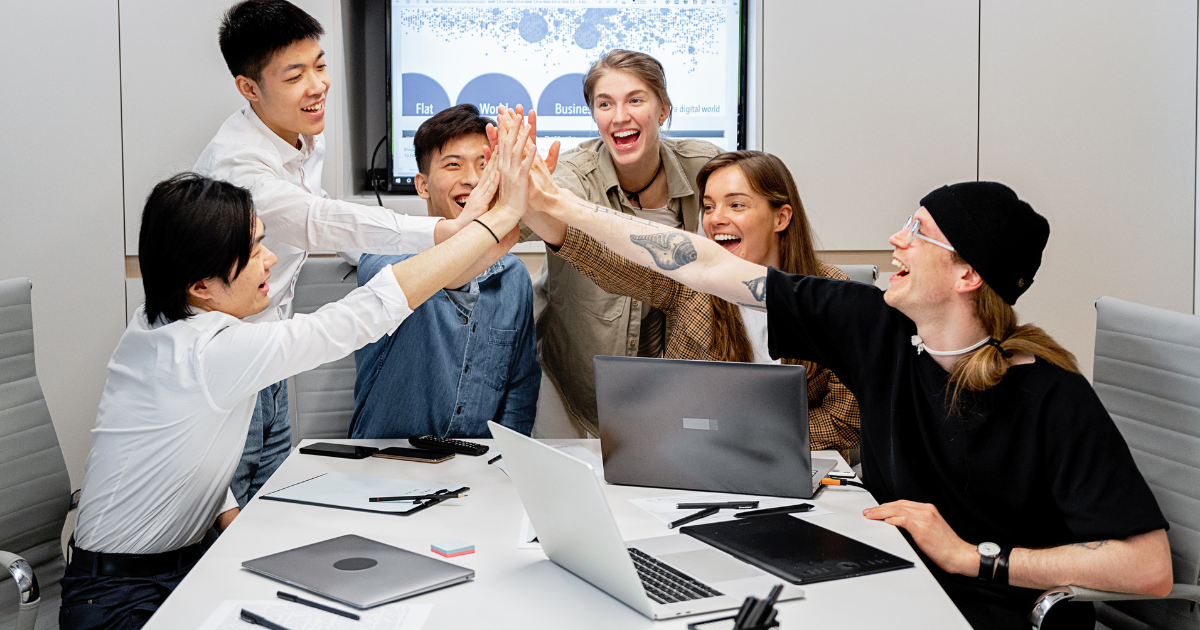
664,577
358,571
716,426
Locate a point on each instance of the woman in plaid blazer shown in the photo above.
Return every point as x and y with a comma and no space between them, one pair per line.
752,208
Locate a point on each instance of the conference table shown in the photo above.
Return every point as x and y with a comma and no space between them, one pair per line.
520,588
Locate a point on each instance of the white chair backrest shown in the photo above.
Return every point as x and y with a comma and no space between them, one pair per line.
321,400
35,490
866,274
1147,374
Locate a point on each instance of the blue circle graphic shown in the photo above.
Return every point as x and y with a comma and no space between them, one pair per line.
421,95
564,97
489,91
587,36
533,27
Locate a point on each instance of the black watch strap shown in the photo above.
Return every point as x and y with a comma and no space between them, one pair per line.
986,568
1001,576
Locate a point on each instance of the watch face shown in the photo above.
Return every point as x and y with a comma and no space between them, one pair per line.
989,549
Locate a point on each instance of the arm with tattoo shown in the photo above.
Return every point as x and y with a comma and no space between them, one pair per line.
687,258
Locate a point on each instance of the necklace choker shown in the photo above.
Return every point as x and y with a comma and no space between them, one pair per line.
633,196
921,347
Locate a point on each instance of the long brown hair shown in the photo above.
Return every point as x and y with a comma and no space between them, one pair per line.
639,64
983,368
769,177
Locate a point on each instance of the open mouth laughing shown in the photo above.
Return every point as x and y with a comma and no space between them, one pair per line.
728,241
461,200
626,138
315,109
903,268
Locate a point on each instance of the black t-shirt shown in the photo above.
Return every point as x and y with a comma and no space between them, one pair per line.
1034,462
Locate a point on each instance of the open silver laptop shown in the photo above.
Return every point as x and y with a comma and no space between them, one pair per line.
707,425
664,577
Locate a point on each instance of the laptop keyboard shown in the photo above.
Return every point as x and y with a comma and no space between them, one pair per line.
666,585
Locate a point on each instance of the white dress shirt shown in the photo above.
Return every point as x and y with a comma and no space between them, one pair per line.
176,407
285,183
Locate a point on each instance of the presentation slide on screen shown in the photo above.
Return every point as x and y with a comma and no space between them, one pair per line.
535,53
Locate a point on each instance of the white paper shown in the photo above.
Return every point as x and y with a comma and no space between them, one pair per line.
527,538
663,508
295,616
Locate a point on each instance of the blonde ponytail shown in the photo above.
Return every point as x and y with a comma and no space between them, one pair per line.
984,368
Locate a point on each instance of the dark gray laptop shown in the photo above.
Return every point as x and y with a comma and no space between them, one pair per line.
358,571
706,425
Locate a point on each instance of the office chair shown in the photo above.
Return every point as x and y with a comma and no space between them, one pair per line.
321,400
866,274
35,489
1147,374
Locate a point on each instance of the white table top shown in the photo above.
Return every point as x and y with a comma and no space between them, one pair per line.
521,588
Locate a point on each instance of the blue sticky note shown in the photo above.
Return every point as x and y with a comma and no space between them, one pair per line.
451,548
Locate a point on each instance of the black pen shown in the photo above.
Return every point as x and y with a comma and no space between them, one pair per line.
250,617
300,600
787,509
440,494
728,505
495,459
693,517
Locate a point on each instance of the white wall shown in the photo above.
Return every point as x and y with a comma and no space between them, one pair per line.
1091,116
60,198
871,105
177,92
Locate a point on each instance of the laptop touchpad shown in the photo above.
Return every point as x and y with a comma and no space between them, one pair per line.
710,565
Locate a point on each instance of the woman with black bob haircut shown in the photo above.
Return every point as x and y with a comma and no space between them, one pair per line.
183,379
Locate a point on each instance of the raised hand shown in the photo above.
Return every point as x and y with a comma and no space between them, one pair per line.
481,197
514,161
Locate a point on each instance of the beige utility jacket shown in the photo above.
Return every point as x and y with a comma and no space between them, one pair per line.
580,320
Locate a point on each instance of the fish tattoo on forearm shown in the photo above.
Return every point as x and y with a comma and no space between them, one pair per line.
671,250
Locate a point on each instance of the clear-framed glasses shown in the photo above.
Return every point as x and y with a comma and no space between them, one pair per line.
914,231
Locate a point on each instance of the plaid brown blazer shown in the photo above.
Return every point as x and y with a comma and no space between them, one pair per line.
833,419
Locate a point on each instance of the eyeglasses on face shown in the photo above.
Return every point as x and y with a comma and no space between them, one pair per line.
913,226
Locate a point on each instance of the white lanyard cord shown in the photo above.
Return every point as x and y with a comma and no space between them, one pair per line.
916,341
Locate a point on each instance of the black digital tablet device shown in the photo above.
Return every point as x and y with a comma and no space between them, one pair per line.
345,451
796,550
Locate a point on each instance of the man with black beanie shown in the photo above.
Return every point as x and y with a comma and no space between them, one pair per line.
979,436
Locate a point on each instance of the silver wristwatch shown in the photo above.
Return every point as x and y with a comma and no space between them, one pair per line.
988,552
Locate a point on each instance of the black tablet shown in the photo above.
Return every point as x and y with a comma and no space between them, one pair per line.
795,550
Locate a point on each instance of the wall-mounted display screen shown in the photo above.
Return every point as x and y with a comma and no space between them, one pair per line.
536,52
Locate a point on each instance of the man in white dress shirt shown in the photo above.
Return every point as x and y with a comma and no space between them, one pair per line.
183,379
274,147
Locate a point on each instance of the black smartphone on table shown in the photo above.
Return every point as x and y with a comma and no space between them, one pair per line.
413,454
345,451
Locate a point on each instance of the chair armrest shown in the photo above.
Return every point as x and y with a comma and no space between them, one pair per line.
1060,594
27,587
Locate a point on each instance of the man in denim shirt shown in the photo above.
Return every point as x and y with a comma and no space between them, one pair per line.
465,356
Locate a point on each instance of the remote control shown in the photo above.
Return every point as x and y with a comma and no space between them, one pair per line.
446,445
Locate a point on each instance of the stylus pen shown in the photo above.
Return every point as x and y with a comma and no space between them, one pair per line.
250,617
329,609
456,494
693,517
729,505
787,509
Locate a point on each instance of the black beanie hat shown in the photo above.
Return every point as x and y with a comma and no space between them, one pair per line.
994,231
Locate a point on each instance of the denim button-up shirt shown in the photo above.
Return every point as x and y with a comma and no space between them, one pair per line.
462,358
